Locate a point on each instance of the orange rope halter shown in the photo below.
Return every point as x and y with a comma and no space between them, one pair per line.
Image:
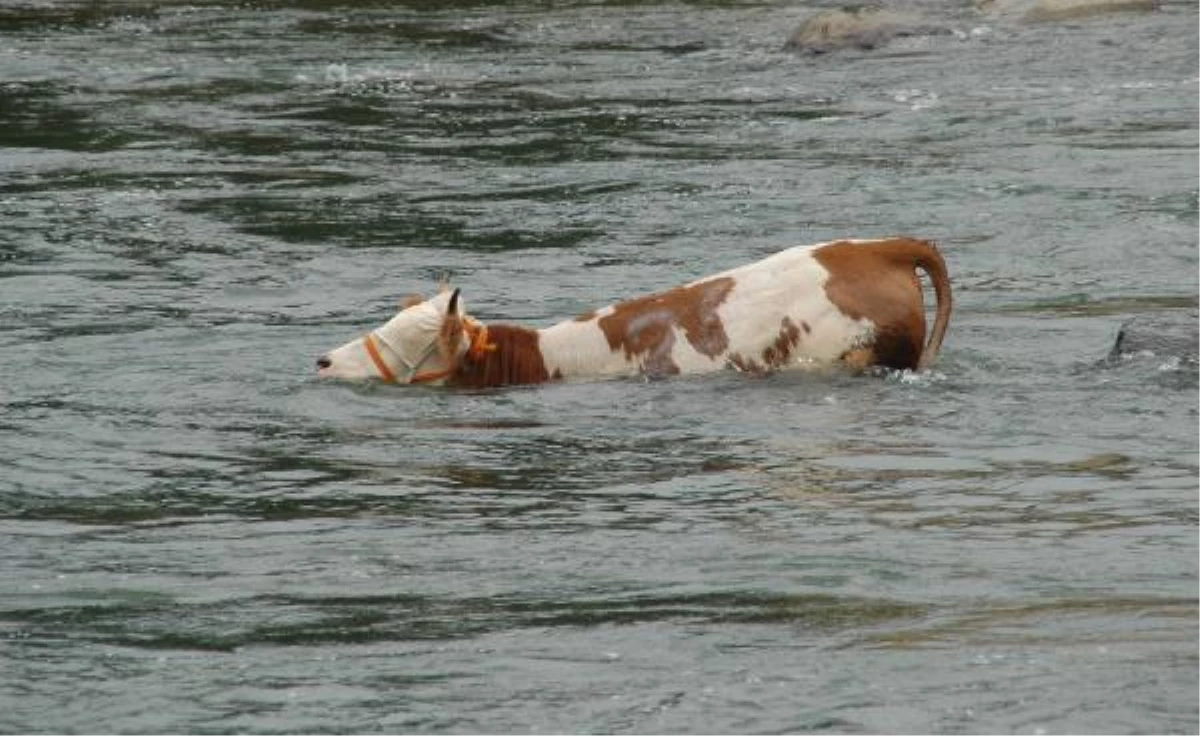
380,364
478,334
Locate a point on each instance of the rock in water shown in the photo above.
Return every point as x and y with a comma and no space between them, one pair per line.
1049,11
1173,334
865,28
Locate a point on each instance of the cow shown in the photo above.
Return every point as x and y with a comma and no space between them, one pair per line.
850,303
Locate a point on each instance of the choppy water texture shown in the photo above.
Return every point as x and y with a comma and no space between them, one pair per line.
197,199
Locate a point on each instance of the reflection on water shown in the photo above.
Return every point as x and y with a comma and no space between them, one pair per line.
145,620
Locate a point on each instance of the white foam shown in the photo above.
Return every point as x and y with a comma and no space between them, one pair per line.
911,377
343,74
917,99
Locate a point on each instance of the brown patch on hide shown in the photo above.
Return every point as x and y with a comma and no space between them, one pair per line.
645,327
774,356
779,352
516,358
744,364
411,300
878,281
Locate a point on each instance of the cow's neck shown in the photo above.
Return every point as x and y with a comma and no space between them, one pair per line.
523,355
512,356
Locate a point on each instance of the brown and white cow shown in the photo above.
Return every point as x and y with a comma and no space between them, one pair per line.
856,303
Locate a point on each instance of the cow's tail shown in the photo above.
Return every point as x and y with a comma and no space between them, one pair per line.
911,254
925,256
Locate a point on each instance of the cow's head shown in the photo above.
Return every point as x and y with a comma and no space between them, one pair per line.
421,344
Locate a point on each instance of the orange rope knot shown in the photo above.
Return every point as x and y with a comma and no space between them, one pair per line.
478,332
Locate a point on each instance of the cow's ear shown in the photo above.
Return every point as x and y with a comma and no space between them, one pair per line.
451,335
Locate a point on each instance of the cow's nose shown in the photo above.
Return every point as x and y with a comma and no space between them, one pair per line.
323,362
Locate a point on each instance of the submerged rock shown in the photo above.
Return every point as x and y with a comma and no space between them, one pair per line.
1049,11
1173,335
864,28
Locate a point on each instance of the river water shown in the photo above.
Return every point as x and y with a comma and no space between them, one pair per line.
197,199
